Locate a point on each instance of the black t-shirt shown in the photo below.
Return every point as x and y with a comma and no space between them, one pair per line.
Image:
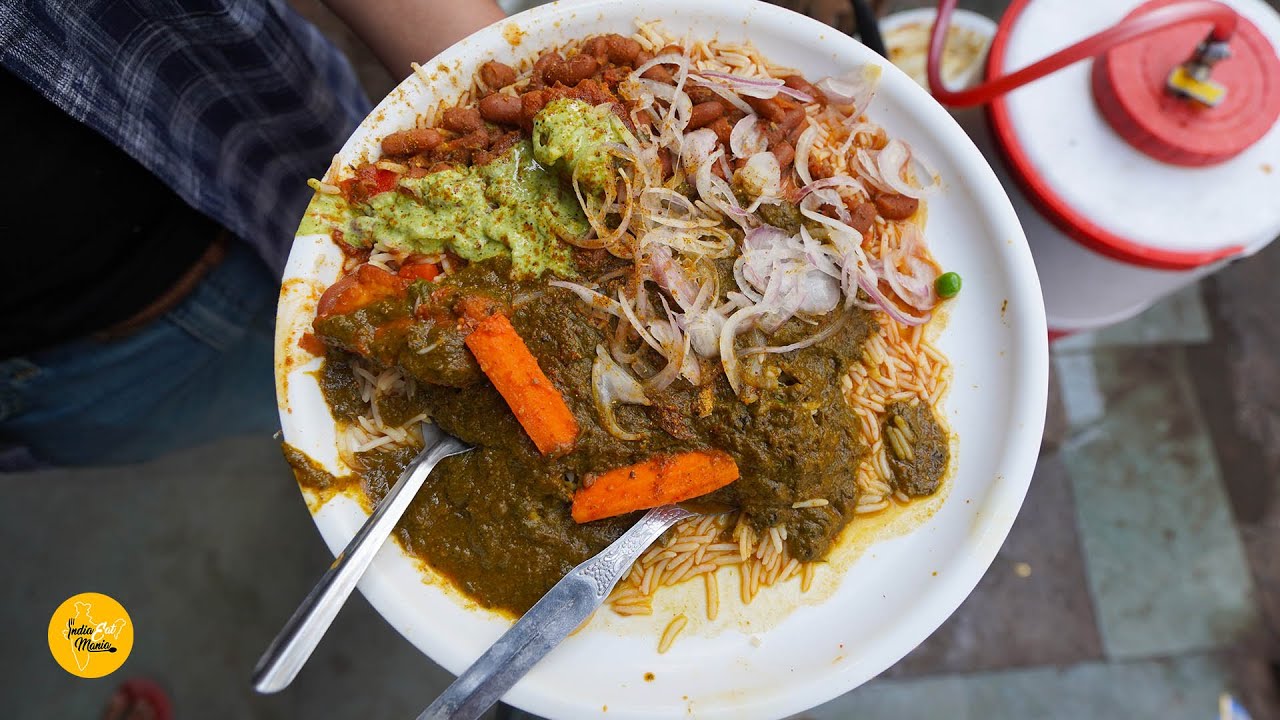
90,236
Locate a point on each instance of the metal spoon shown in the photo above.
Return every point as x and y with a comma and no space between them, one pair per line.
558,613
286,655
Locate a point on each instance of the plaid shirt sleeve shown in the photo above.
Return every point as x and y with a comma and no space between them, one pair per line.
232,103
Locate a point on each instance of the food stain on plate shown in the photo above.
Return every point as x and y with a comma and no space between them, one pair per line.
512,33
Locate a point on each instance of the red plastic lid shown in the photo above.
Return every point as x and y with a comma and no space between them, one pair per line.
1129,87
1251,49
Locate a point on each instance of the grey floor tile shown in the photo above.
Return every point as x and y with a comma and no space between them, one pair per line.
209,551
1034,599
1164,561
1170,689
1262,549
1237,379
1083,403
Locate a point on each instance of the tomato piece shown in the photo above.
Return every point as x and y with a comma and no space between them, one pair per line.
359,289
384,181
312,344
420,271
369,180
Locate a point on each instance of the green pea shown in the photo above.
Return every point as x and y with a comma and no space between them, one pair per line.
947,284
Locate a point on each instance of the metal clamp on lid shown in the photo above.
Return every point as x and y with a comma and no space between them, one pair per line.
1192,78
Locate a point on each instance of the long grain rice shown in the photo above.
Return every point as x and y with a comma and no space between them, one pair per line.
673,630
897,365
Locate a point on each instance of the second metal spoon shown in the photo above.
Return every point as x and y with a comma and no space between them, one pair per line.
549,621
289,651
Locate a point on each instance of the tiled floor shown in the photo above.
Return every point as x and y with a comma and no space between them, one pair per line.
1141,580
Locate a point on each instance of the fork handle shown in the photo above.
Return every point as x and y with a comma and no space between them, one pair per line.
291,648
565,606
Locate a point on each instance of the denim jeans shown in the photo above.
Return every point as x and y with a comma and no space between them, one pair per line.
201,372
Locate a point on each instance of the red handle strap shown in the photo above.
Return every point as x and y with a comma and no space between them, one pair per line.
1224,25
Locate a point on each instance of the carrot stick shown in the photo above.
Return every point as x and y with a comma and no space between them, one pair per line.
660,480
514,371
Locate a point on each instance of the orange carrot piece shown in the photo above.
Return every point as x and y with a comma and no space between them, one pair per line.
514,371
660,480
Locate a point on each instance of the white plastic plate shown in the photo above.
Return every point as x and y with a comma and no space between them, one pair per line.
783,653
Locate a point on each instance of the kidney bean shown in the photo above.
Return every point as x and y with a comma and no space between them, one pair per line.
772,109
700,94
819,169
622,50
474,140
404,143
530,104
793,118
596,47
796,82
721,127
864,215
660,73
572,71
704,114
613,75
785,153
794,136
451,153
544,61
501,109
462,120
497,75
893,206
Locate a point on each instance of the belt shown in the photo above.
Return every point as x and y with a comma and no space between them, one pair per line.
170,298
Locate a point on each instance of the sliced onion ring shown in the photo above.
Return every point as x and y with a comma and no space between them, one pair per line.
746,139
611,383
870,287
763,88
892,161
831,182
855,87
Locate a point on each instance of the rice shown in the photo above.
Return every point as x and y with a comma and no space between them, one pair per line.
673,630
713,595
898,364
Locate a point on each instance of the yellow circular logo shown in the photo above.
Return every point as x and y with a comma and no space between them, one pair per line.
90,635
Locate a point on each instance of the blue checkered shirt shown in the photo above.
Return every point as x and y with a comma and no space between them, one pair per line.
232,103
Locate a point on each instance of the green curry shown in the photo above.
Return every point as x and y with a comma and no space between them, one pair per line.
497,520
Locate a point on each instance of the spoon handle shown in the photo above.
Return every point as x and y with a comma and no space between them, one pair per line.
558,613
289,651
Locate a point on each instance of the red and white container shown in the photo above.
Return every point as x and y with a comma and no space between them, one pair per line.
1126,192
